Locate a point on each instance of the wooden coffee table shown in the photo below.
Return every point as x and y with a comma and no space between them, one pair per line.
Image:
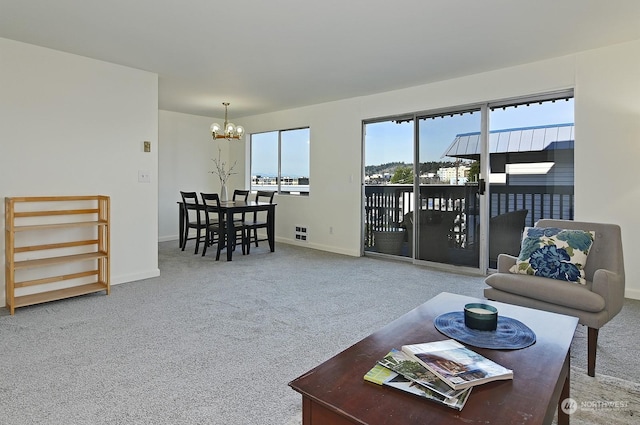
335,393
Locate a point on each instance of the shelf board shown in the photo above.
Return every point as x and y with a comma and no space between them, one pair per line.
59,294
41,262
59,225
58,245
21,214
51,279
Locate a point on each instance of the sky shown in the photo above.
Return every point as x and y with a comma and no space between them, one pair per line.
295,153
390,142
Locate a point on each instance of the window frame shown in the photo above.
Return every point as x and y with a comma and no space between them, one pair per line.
279,177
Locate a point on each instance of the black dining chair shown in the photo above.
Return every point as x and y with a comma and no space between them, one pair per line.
257,221
193,219
216,232
239,195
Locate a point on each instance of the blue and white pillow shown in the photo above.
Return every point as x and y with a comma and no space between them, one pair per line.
554,253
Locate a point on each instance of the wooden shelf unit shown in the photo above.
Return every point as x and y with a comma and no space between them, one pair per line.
37,215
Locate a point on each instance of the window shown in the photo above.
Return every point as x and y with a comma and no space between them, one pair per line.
280,161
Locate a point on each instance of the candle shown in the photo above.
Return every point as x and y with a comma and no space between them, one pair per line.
479,310
482,317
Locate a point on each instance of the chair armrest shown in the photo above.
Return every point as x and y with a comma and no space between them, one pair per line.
610,286
505,261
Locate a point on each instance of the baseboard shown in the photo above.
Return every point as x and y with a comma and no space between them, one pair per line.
116,280
319,247
634,294
168,238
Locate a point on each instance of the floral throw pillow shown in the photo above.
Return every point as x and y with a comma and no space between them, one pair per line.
554,253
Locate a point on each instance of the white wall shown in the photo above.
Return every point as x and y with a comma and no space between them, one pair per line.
185,158
70,125
607,113
336,144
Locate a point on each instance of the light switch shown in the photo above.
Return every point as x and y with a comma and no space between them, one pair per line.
147,146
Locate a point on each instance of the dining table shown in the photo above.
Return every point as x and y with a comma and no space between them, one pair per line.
231,209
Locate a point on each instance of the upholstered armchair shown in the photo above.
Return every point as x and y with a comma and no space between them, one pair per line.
594,303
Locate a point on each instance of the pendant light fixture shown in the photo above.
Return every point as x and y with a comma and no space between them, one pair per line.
229,131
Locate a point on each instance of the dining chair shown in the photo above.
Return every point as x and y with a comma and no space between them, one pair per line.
193,219
240,195
216,231
258,221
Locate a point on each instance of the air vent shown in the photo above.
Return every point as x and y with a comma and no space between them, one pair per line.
301,233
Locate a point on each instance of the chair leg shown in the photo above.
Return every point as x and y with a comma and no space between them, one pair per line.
255,236
206,242
185,236
592,343
198,237
221,240
246,239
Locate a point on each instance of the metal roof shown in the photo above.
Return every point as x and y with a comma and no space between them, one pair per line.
525,139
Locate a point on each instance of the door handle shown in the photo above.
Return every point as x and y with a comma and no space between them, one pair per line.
482,186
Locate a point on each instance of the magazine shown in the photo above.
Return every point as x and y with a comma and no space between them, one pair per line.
401,363
455,364
382,376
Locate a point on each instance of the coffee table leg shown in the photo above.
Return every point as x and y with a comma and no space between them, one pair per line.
563,418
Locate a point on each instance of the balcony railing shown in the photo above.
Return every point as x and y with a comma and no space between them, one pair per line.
386,206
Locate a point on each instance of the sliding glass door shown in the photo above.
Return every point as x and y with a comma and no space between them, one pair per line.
458,186
447,225
440,223
388,185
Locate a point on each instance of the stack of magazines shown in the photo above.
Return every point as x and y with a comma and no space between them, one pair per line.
442,371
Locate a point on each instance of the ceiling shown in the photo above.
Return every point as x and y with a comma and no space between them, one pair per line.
265,56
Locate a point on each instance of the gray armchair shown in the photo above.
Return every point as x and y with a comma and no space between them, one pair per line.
594,304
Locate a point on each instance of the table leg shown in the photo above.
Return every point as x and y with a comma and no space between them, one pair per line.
271,227
230,235
563,418
181,224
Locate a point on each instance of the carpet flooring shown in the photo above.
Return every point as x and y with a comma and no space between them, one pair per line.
216,342
603,399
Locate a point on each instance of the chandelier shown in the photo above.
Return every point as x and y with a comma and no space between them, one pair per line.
230,131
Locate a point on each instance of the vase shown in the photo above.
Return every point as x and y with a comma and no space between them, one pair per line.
223,193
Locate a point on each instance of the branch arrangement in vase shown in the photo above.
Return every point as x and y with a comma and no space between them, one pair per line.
220,170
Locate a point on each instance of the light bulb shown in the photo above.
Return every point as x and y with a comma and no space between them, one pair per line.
240,130
231,128
215,127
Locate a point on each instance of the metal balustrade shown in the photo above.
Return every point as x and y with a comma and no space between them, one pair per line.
386,206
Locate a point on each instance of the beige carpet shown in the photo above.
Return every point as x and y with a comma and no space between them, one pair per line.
216,342
603,400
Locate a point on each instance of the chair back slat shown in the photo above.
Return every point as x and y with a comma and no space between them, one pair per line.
212,201
263,196
240,195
